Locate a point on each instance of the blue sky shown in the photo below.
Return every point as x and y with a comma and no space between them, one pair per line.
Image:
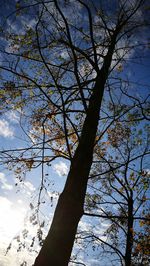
14,200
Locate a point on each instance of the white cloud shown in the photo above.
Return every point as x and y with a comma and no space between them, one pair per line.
11,224
19,201
4,182
28,185
85,226
5,129
14,258
26,188
64,55
93,262
7,186
11,219
53,195
61,168
13,117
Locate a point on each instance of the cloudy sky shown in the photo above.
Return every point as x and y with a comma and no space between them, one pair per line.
15,200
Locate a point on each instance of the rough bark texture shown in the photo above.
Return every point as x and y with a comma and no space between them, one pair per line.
56,250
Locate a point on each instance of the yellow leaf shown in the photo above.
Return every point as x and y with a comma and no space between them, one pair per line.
141,223
120,68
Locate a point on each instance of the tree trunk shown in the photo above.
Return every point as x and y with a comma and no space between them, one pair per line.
57,247
129,242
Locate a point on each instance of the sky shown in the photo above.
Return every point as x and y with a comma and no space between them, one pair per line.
15,199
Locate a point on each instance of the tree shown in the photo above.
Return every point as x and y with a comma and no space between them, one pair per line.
63,85
121,195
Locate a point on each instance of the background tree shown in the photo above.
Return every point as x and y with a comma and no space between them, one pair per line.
63,68
120,195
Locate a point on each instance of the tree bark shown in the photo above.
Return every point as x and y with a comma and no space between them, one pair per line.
57,247
129,242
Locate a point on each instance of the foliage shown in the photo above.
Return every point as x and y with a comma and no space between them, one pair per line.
48,72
